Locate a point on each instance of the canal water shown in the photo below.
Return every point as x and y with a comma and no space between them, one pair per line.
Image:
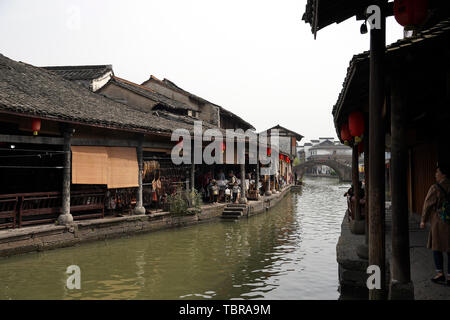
288,252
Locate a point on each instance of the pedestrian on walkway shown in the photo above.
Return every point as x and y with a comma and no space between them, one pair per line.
438,238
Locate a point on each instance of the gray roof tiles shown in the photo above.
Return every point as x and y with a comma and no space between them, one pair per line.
33,91
81,72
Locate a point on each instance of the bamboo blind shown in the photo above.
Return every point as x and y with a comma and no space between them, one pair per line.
115,167
89,165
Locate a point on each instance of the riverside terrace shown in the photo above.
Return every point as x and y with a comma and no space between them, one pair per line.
88,150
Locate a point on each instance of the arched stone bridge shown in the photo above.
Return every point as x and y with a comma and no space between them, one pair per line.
343,171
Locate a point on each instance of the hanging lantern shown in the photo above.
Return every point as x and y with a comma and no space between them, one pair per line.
36,126
269,152
356,125
288,160
281,157
345,132
410,13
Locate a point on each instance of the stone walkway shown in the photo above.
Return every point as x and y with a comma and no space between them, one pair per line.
352,269
422,265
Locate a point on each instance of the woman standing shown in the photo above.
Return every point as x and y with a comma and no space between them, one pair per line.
438,239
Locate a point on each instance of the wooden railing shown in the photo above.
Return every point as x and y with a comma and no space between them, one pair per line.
39,207
8,210
45,207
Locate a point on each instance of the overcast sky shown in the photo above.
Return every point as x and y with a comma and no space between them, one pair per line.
256,58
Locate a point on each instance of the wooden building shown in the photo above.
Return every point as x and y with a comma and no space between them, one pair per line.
59,140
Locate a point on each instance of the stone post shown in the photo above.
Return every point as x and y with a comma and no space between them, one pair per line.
257,178
268,191
66,217
243,198
139,209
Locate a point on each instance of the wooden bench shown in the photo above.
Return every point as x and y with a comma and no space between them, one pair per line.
8,210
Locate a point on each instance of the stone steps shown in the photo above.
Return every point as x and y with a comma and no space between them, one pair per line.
233,211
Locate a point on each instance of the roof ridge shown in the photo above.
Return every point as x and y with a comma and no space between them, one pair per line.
134,84
93,66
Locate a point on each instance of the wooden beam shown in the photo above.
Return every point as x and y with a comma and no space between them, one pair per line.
31,139
82,142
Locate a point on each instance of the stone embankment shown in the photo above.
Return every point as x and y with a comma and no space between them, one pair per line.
46,237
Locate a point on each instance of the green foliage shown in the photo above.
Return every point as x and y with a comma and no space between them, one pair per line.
296,161
196,199
182,203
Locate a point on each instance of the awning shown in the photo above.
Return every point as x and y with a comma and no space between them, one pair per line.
115,167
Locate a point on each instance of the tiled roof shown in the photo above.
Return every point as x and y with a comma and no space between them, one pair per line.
321,13
33,91
287,131
149,93
171,85
356,81
81,72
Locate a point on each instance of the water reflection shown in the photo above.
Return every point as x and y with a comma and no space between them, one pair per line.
286,253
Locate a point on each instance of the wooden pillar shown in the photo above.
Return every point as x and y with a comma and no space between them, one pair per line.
357,225
355,181
66,217
366,179
401,271
363,249
139,209
377,152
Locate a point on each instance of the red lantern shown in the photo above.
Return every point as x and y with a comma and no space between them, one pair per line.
288,160
345,132
269,152
223,147
36,126
410,12
281,157
356,123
